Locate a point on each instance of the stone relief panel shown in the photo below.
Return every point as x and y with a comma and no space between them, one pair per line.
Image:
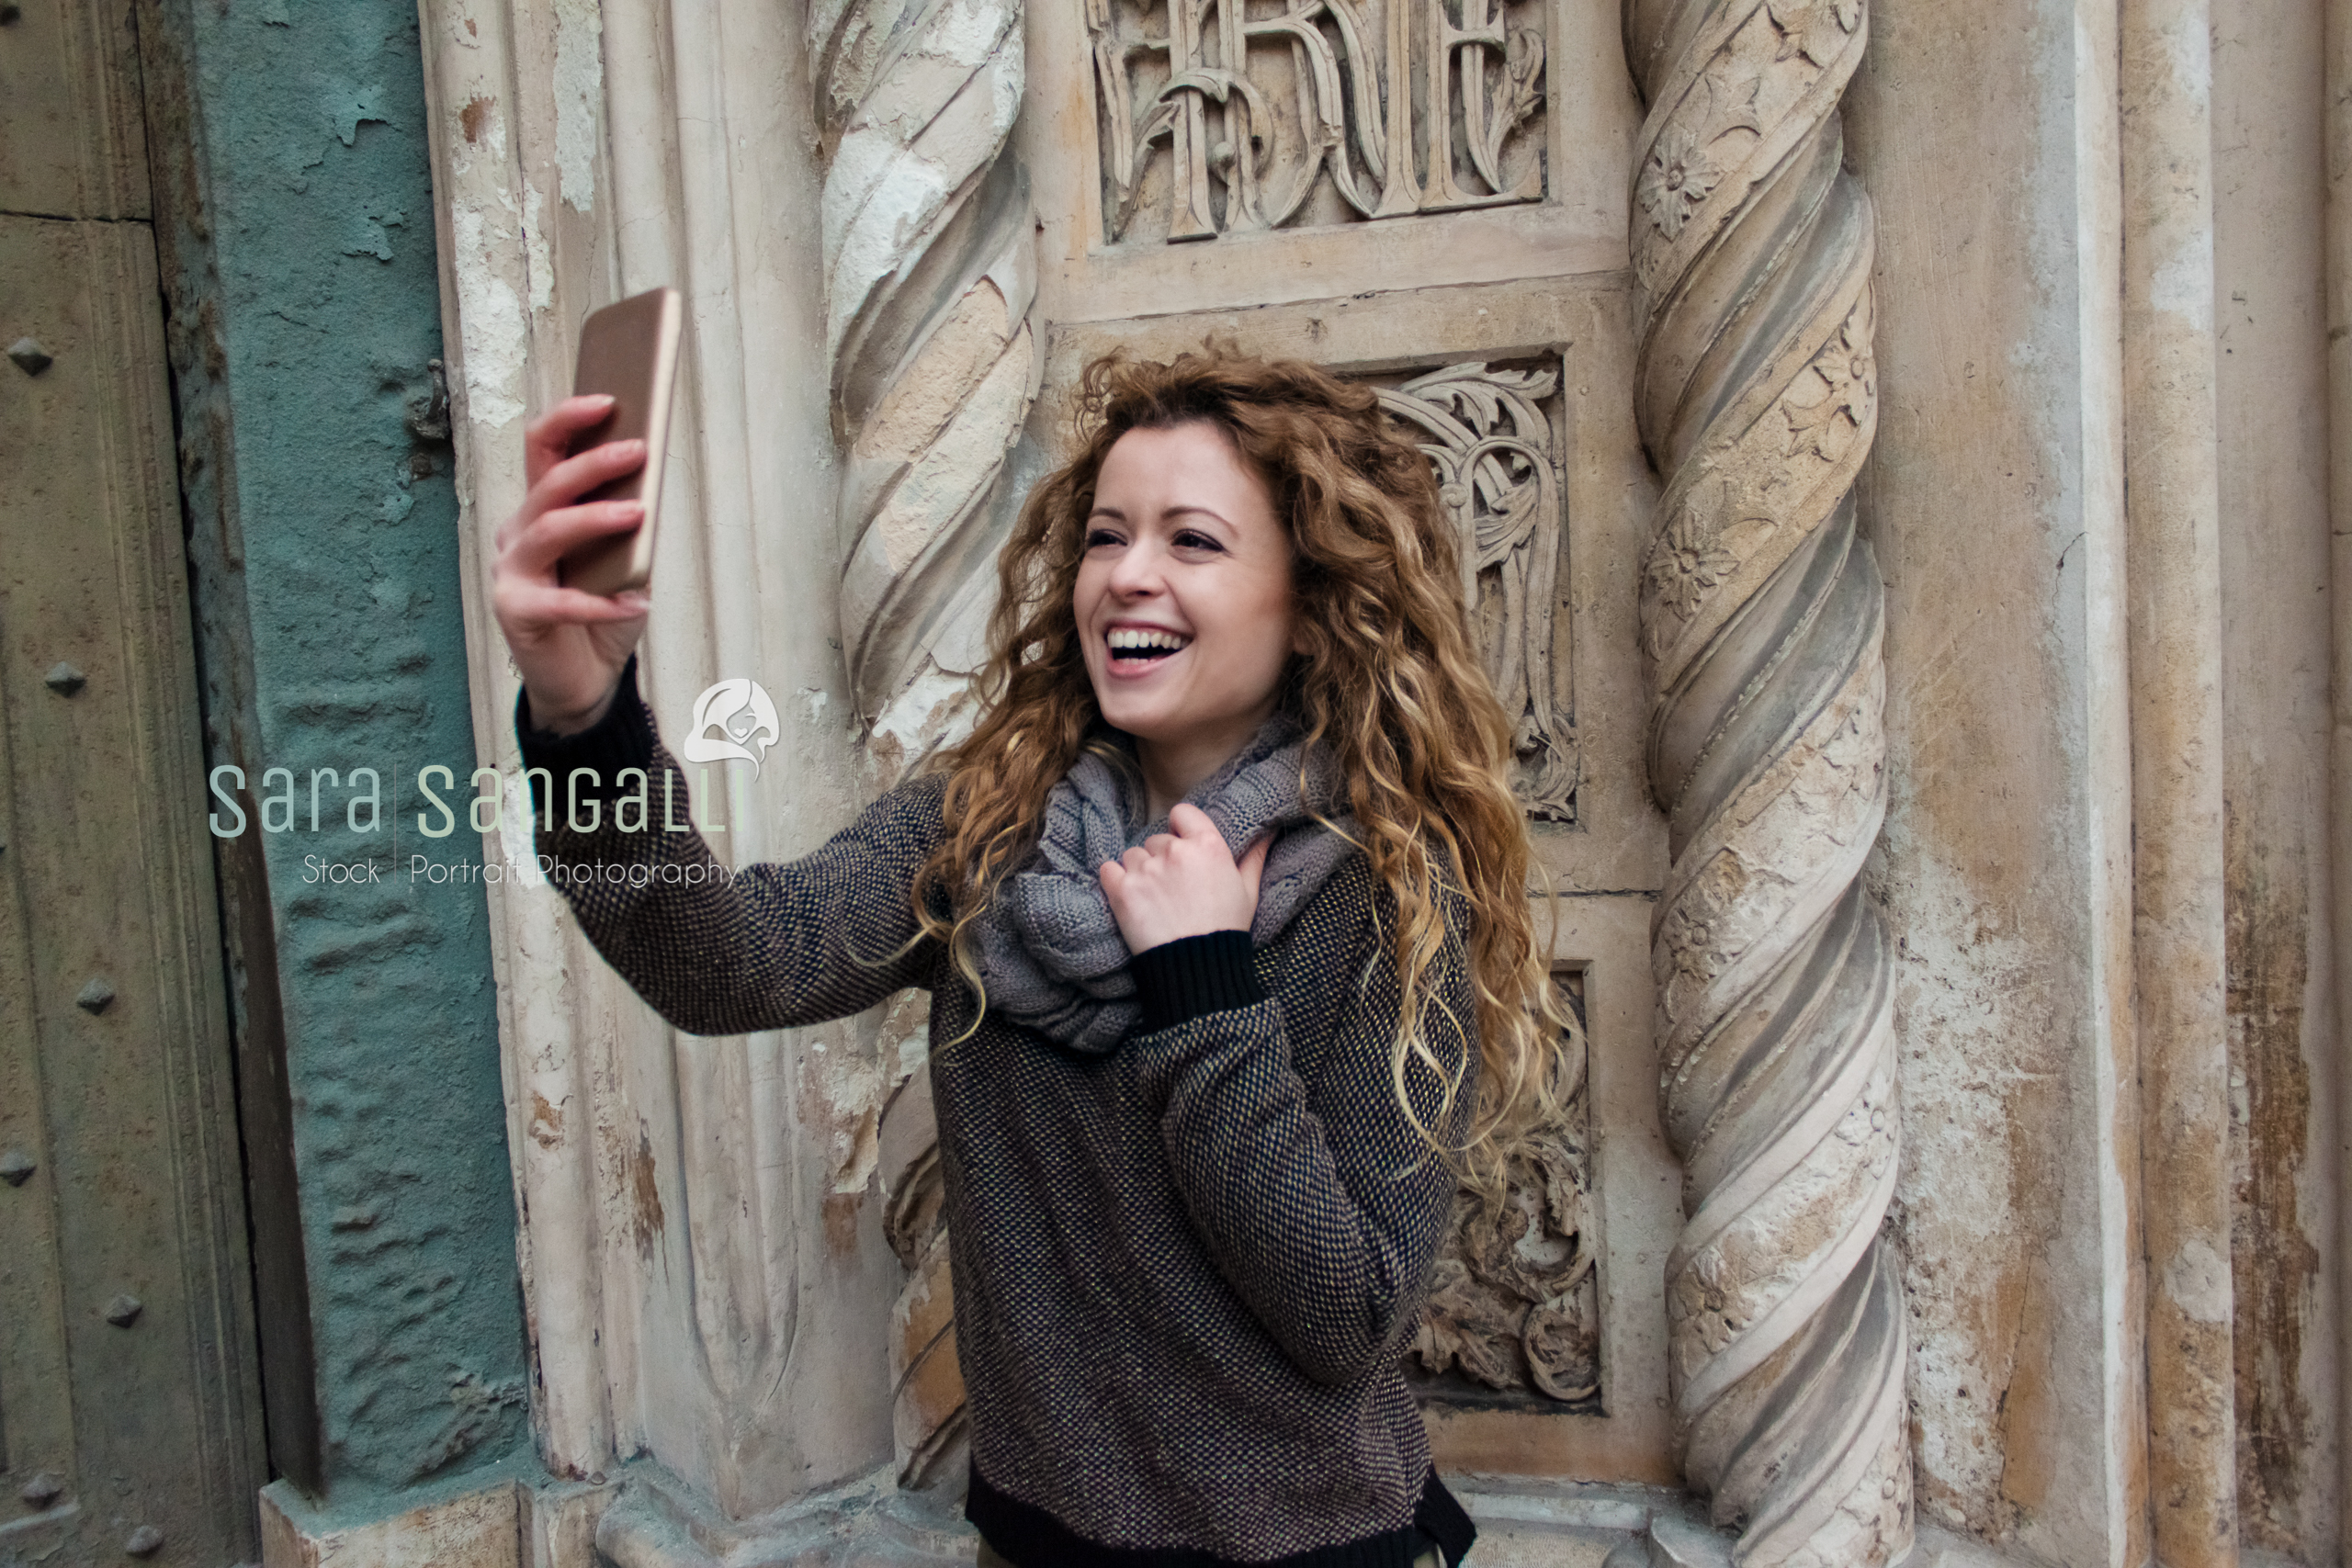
1228,116
1513,1318
1488,433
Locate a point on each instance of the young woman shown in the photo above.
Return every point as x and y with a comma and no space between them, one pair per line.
1223,908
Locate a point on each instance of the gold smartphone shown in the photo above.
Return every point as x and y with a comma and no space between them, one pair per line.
630,350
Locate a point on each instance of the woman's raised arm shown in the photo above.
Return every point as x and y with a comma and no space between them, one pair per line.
718,950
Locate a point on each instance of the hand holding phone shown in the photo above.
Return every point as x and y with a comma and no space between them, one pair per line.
628,351
570,642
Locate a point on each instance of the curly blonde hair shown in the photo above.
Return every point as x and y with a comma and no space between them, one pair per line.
1387,680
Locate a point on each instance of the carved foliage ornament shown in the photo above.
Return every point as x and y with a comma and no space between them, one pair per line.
1498,475
1758,85
1333,109
1513,1311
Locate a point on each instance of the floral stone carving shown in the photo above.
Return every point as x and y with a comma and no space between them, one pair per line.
1498,474
1513,1310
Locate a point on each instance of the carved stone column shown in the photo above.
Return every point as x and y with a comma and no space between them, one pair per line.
700,1287
1762,612
929,275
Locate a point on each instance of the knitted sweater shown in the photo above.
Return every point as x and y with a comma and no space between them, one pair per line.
1185,1271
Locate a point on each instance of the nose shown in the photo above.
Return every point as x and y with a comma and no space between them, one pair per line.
1137,573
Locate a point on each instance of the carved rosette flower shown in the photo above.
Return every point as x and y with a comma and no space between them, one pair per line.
1677,178
1689,946
1691,558
1687,562
1761,609
1696,148
1701,1308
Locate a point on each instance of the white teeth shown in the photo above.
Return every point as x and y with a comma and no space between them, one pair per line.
1139,638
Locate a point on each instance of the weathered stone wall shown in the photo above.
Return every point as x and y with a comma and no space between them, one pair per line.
1998,514
2285,1068
1995,505
706,1270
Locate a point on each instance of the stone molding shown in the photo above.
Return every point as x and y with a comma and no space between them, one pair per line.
479,1528
697,1285
2338,303
1762,614
2180,943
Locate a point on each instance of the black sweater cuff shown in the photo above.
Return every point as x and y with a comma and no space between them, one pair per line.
1195,975
622,740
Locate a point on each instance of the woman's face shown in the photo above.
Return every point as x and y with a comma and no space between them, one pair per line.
1183,598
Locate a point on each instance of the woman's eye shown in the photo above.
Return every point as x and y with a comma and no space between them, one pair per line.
1189,540
1102,537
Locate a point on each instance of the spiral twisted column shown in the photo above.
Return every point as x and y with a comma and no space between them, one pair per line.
1762,614
930,277
930,274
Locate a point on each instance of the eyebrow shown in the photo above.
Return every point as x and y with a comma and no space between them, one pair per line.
1101,510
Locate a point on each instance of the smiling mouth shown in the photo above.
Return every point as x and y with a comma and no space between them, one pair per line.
1133,643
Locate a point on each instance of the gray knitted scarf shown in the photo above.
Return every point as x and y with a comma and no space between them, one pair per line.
1049,951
